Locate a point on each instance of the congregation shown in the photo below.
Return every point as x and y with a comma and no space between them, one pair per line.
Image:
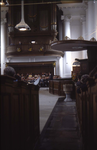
43,78
30,78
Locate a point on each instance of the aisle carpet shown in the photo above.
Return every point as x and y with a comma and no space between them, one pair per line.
61,131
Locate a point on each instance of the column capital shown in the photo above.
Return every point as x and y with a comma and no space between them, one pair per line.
4,10
67,17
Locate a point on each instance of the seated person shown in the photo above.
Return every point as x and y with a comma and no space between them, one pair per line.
42,79
50,76
10,71
18,77
81,83
22,77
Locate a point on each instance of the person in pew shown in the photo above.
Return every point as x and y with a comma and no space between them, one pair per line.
10,71
81,83
26,76
50,76
22,77
18,77
78,84
41,82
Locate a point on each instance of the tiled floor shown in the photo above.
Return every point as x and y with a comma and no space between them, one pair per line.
61,131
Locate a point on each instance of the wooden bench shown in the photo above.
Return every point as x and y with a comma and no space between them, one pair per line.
86,103
19,114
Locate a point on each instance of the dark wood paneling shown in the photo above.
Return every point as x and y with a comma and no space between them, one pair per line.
86,103
19,114
56,87
34,68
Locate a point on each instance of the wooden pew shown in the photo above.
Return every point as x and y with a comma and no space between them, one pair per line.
19,114
86,103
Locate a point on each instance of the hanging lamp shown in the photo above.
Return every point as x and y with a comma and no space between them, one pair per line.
4,3
22,26
7,3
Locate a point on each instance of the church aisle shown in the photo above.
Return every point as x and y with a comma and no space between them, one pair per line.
61,131
47,102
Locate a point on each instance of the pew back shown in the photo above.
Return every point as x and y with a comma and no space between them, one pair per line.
86,103
19,114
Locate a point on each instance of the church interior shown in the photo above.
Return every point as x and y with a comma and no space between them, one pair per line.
51,49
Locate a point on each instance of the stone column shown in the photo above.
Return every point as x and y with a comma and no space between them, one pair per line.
83,20
67,26
61,67
95,19
67,64
57,67
90,19
67,55
86,34
3,38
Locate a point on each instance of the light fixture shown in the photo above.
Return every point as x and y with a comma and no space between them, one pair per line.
22,26
33,42
4,3
7,3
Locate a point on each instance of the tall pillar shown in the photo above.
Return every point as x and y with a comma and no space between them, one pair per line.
3,38
83,20
57,67
67,26
92,19
67,55
61,67
86,33
67,65
95,19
